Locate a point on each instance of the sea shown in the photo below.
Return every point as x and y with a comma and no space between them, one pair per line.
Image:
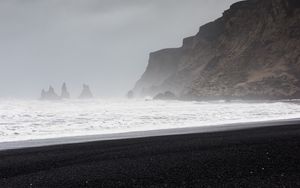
22,120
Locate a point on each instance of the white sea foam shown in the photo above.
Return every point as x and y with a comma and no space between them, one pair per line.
32,119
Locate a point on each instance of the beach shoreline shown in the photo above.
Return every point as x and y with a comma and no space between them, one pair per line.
143,134
265,156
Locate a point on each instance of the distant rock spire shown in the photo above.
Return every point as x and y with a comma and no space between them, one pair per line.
64,92
43,94
49,95
86,92
51,90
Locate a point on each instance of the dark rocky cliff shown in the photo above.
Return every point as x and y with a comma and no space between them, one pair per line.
251,52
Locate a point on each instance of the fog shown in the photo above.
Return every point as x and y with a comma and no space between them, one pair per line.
104,43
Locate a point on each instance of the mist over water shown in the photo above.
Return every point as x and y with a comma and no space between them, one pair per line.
33,119
103,43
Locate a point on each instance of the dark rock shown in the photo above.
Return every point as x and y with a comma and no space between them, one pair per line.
49,95
64,92
130,94
43,94
86,92
250,52
165,96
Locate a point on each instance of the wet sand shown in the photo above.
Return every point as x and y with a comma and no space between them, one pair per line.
252,157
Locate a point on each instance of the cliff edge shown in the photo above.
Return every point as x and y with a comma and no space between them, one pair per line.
251,52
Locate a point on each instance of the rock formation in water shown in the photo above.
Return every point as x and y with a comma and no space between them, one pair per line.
64,92
130,94
49,95
251,52
43,94
86,92
168,95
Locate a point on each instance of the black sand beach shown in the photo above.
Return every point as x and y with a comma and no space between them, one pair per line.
256,157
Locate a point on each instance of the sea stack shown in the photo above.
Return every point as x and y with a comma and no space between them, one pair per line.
43,94
130,94
86,92
49,95
64,92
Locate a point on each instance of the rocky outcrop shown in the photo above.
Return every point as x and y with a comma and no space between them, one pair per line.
49,95
130,94
43,94
64,92
165,96
251,52
86,92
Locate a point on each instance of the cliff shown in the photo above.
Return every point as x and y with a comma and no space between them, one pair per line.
251,52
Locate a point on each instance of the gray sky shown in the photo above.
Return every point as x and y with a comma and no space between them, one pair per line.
104,43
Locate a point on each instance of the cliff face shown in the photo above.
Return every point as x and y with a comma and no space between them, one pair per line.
251,52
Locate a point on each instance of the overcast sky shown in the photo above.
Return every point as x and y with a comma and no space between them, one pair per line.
104,43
